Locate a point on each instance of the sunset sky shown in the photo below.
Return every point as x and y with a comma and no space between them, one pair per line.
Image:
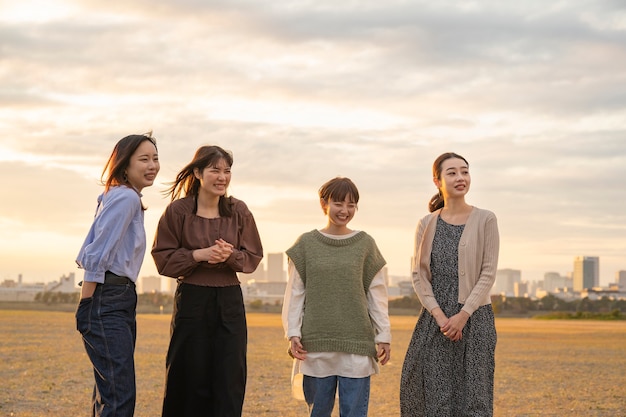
532,93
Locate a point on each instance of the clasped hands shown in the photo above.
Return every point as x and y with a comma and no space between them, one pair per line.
452,327
215,254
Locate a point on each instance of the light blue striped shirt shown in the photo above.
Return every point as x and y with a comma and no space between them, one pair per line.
116,241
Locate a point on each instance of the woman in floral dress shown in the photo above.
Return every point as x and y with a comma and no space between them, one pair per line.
449,366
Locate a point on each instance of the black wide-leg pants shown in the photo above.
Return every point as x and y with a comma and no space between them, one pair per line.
206,360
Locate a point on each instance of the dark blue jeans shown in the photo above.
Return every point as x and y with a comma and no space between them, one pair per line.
107,324
354,395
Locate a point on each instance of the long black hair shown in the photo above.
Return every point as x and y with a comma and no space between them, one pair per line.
186,183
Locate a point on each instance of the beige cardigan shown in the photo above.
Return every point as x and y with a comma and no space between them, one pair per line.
478,259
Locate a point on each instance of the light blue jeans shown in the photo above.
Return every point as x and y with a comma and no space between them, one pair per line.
354,395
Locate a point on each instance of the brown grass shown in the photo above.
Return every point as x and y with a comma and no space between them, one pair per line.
544,368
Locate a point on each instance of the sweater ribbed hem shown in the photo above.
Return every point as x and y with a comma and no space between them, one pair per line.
346,346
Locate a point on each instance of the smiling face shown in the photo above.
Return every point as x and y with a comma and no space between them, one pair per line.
214,180
339,213
454,180
143,166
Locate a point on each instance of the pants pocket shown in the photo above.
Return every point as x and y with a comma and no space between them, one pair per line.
83,315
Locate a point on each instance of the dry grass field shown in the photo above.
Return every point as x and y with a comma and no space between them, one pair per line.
543,368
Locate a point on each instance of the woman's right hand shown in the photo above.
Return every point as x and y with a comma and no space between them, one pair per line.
452,327
296,349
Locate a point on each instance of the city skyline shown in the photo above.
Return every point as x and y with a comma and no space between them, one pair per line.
301,92
269,283
264,274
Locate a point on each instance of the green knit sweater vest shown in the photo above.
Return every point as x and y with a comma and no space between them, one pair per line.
337,274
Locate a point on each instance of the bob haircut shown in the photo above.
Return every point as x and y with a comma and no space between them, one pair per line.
338,189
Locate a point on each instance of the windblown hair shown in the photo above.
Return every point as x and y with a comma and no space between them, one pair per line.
186,183
114,172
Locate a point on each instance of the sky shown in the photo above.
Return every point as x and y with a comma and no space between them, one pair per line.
531,93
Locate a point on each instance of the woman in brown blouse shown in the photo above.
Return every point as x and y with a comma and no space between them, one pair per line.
203,239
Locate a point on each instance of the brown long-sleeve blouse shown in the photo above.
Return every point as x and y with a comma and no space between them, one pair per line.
181,231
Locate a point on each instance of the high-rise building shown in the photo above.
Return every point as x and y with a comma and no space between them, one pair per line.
553,281
505,281
586,272
520,289
275,267
620,278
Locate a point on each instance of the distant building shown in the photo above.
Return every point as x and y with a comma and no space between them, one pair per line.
170,285
520,289
566,294
406,288
275,267
620,278
505,281
598,293
386,276
11,290
150,284
393,292
394,280
586,272
554,280
257,275
268,292
66,284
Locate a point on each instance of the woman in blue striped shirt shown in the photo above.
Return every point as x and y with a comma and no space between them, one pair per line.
111,257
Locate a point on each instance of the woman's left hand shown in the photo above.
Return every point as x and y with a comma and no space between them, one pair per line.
453,329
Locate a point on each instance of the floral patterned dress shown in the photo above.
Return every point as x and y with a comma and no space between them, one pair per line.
441,378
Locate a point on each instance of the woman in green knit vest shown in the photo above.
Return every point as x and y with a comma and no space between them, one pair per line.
338,339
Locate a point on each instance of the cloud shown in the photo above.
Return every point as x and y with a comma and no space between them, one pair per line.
302,91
